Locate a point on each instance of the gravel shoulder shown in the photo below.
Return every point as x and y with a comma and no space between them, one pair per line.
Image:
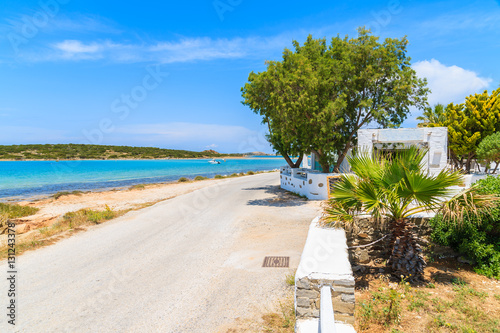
188,264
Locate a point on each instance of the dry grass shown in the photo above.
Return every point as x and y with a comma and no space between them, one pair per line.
282,321
454,299
70,223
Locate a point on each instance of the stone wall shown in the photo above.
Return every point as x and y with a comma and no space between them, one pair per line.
324,261
307,295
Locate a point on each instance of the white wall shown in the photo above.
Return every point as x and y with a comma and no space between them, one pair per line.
312,185
435,137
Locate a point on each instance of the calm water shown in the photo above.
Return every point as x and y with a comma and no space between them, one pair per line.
31,178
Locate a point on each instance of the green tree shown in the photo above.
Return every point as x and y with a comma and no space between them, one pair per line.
431,116
396,188
469,123
318,96
489,151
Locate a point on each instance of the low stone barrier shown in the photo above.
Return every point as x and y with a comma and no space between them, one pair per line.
324,261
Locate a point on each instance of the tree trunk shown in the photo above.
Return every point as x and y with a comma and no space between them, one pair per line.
406,255
290,162
341,158
496,167
299,161
486,166
468,163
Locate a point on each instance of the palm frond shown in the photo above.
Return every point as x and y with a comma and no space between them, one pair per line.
428,189
365,166
468,203
340,213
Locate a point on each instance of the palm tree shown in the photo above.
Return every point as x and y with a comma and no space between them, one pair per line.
436,115
396,188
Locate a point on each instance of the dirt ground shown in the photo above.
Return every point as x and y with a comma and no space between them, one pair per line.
453,298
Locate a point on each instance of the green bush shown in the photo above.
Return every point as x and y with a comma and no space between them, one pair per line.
478,238
183,180
84,215
15,211
218,177
250,173
63,193
200,178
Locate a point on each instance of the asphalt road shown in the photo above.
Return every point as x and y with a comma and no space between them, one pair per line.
188,264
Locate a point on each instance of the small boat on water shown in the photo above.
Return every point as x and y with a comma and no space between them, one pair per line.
214,161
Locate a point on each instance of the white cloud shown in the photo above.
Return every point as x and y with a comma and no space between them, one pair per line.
181,50
449,83
75,46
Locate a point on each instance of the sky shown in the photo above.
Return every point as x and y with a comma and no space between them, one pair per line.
168,73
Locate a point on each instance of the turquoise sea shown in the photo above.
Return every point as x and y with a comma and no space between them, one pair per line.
23,179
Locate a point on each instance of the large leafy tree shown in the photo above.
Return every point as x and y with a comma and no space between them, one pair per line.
318,96
396,188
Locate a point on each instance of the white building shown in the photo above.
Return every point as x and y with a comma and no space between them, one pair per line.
314,184
433,139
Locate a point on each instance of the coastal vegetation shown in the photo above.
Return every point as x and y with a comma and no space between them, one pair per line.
13,211
69,223
317,97
468,124
65,193
89,215
83,151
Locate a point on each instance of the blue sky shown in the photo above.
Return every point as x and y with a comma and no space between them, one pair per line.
168,73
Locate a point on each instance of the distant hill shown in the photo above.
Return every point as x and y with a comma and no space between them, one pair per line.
98,152
259,153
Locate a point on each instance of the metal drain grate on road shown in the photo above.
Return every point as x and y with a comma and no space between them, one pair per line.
276,262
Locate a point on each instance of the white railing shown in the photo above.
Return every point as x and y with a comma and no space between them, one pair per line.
326,315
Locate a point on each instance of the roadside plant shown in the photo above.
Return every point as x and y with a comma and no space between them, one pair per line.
395,188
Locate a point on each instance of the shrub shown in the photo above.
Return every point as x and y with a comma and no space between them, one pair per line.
63,193
478,238
200,178
84,215
218,177
14,211
137,187
234,175
183,180
250,173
